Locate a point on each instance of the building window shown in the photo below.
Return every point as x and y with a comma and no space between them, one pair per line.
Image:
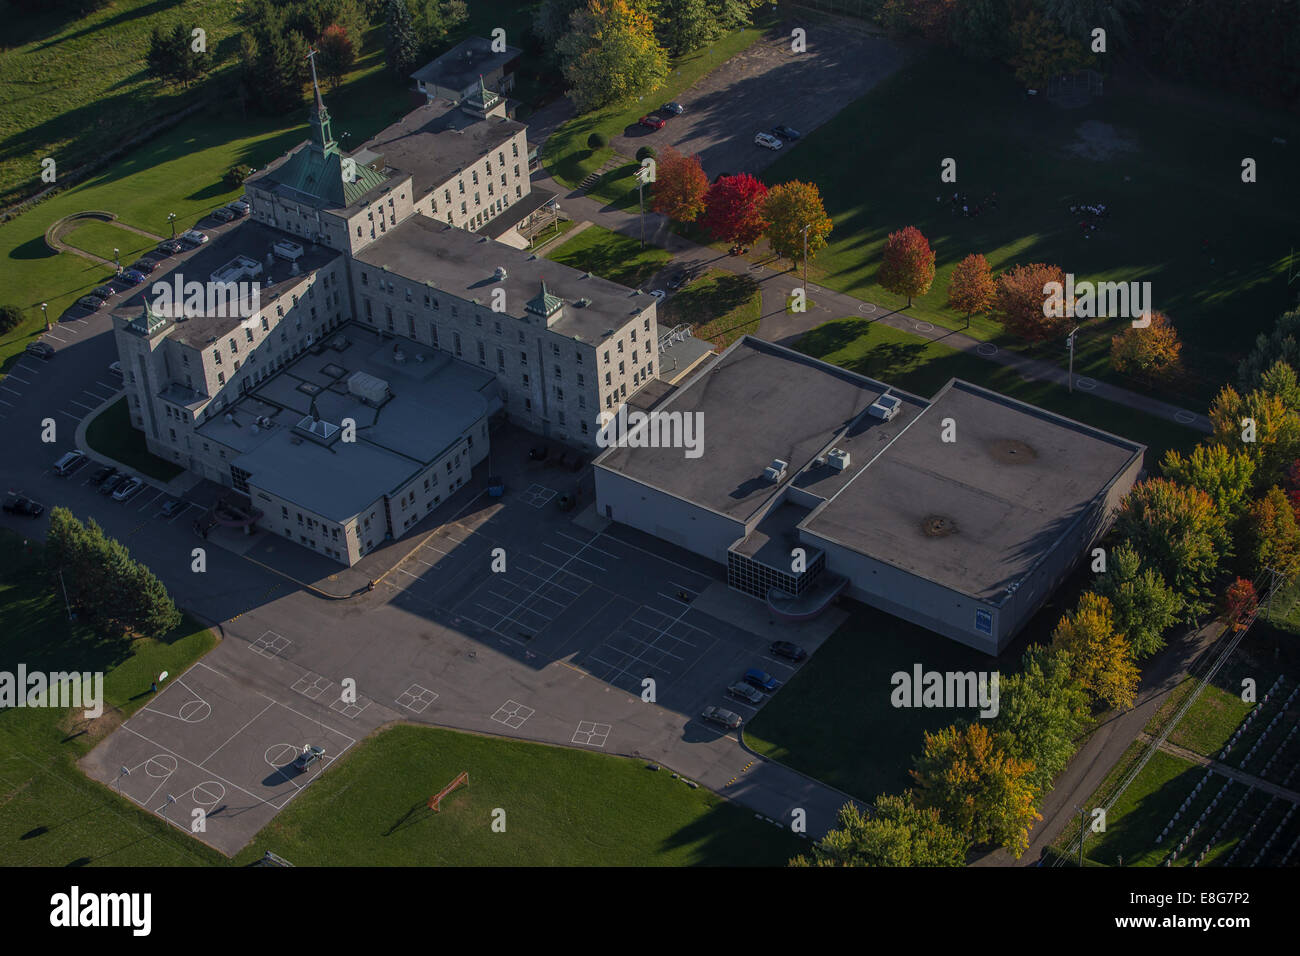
455,339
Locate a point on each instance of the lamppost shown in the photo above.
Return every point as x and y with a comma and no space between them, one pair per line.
640,198
117,260
122,772
1070,381
171,218
1083,830
45,315
805,259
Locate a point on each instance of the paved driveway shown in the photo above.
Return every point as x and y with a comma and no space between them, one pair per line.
766,85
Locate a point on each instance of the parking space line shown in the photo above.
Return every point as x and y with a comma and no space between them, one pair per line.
598,567
75,418
56,338
10,404
33,369
149,502
89,408
188,506
8,389
17,379
588,544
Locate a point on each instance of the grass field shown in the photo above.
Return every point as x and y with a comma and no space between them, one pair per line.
561,807
611,255
112,434
73,88
1210,721
921,366
834,719
1168,169
719,306
53,814
102,238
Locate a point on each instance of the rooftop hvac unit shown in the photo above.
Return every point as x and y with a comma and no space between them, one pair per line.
776,470
399,356
367,387
838,459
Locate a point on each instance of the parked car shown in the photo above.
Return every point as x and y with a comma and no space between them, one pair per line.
674,107
112,483
223,214
133,276
760,679
310,755
90,301
721,716
239,207
41,350
170,247
193,238
749,695
172,506
22,505
767,141
677,280
786,132
789,650
885,407
105,292
653,122
143,266
659,294
69,463
127,489
102,475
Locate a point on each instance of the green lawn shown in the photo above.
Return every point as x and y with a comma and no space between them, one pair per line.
75,87
1175,181
1208,724
53,814
719,306
921,366
612,256
834,720
112,434
102,238
1141,812
566,154
562,808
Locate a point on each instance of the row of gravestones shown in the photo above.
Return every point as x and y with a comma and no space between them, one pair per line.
1245,725
1272,724
1272,837
1211,806
1250,832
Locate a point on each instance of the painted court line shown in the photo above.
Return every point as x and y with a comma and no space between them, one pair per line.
237,733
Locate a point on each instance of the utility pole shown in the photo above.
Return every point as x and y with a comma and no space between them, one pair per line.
640,198
1070,384
805,259
1083,829
66,603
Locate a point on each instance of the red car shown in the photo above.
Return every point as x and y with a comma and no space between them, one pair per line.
653,122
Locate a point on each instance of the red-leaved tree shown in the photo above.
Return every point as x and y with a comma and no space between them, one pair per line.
1239,602
733,209
908,264
971,288
680,186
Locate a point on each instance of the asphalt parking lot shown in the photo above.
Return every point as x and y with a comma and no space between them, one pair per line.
770,84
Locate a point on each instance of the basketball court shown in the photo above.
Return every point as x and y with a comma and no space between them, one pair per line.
215,758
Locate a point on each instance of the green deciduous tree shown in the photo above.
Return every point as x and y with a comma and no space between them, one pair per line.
1178,531
896,833
979,789
789,208
401,41
1041,710
1225,475
1264,423
1144,606
610,54
1273,536
1282,344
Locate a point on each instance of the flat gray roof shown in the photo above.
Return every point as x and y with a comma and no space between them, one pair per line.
774,539
435,142
758,402
975,514
461,66
247,238
422,249
435,398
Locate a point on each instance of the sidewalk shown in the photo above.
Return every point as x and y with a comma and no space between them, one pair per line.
778,325
1232,773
